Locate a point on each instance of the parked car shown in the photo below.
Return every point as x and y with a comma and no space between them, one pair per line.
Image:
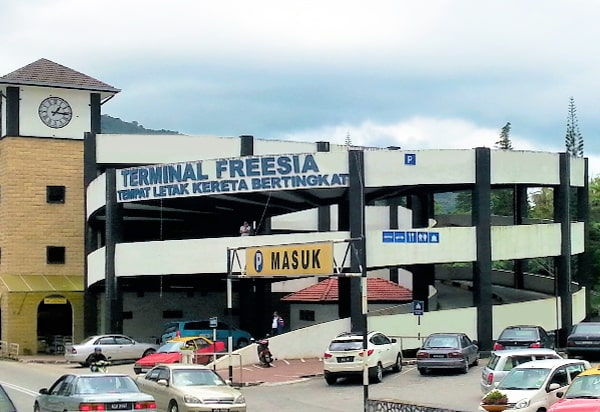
501,362
583,394
188,328
187,388
447,351
345,356
584,340
533,386
524,336
6,404
94,392
115,347
171,352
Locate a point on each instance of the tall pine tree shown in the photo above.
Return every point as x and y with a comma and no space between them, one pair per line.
573,137
504,141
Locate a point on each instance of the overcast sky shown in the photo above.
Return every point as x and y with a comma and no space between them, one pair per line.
415,74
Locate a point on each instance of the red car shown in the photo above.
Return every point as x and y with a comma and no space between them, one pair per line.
170,352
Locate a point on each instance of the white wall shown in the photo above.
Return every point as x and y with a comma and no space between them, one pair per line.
31,125
312,341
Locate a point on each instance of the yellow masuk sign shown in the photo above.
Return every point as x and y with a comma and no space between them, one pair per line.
290,260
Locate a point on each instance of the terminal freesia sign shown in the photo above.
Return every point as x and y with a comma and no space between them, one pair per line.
247,174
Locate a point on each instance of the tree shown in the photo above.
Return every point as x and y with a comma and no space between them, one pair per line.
348,141
573,137
503,199
504,142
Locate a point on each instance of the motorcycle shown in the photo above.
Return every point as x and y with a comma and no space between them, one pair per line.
99,366
265,357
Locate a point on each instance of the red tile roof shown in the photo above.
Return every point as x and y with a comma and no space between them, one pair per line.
378,290
44,72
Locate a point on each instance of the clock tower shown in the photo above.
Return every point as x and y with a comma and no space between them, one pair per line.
45,109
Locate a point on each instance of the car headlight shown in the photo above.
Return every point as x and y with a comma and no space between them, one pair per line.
523,403
191,399
240,399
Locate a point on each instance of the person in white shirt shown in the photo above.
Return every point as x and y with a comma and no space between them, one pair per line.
245,229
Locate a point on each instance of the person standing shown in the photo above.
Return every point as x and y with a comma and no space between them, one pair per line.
277,324
245,229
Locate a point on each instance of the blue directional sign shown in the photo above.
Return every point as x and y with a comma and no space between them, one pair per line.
387,237
418,307
410,159
401,236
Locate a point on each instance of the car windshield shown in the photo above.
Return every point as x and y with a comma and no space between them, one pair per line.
345,345
519,334
584,328
524,379
441,342
171,347
86,340
105,384
584,387
196,377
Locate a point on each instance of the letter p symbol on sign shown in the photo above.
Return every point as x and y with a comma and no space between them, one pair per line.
258,261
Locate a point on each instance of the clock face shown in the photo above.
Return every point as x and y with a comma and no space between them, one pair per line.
55,112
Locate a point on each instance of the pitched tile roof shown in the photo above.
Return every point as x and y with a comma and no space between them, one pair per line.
44,72
327,291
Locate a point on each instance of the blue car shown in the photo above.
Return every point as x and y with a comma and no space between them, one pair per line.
187,328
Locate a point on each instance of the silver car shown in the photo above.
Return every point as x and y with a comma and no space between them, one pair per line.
186,387
502,361
94,392
114,346
447,351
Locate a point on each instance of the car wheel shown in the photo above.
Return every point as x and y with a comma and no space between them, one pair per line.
378,373
423,371
173,407
330,379
148,352
476,362
36,407
398,365
465,367
242,343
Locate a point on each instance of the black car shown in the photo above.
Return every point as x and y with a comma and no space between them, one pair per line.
584,339
524,336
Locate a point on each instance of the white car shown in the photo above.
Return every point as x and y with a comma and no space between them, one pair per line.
114,346
532,386
502,361
180,387
345,356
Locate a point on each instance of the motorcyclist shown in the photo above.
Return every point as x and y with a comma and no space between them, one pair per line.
96,358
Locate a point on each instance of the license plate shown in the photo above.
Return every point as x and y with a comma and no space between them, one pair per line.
219,410
585,342
345,359
438,356
119,406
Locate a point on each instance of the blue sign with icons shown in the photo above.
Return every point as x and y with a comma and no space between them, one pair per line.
410,159
418,307
400,236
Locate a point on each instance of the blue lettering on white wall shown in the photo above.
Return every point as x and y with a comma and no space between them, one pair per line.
272,172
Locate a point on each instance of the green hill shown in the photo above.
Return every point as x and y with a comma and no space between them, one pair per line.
114,125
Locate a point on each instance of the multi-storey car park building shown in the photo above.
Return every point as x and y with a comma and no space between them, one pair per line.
162,217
